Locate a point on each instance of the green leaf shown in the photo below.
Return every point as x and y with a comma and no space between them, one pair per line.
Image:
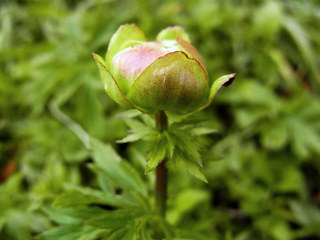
117,169
194,170
129,113
139,131
170,144
157,152
251,92
73,216
275,136
304,139
65,232
104,183
92,234
115,219
199,131
72,232
184,141
119,234
181,206
78,196
305,213
125,233
183,161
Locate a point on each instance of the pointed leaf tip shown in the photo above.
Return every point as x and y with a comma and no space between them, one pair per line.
232,76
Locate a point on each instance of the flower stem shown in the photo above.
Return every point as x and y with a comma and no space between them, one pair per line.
161,175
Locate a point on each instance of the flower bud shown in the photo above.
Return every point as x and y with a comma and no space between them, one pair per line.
163,75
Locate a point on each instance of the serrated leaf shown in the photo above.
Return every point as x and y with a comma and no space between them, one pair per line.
194,170
184,141
157,152
184,162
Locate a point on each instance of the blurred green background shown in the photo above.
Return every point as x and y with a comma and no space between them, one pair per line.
263,163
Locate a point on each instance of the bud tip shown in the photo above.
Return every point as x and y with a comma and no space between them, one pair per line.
232,76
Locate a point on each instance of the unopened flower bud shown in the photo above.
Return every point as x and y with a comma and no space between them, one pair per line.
163,75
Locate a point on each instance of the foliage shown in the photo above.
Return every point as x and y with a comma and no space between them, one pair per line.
259,140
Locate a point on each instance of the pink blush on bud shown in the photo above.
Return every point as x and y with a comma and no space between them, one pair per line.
131,62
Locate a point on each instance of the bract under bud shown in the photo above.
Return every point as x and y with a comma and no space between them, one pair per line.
163,75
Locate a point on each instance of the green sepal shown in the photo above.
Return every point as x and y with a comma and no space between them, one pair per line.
171,33
225,80
126,35
110,85
181,89
191,51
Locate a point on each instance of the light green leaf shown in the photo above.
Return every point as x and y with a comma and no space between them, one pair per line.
77,196
157,152
64,232
181,206
117,169
139,131
115,219
73,216
92,234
